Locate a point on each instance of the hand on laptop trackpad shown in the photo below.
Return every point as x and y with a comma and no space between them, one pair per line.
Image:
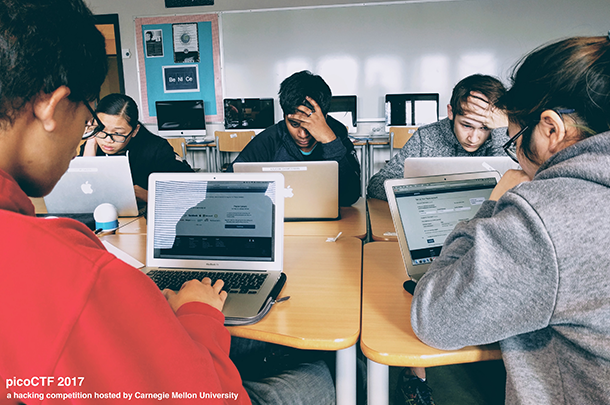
409,286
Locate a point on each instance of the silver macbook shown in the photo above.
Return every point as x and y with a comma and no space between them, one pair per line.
225,226
431,166
426,209
312,188
91,181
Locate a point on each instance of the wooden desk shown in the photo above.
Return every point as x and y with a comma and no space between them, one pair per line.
134,225
382,227
386,337
352,223
323,312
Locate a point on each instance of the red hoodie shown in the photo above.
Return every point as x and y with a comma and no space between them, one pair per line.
99,327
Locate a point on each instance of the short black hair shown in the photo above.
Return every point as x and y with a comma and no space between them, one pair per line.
489,86
46,44
294,89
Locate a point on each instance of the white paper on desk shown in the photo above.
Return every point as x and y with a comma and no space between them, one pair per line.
130,260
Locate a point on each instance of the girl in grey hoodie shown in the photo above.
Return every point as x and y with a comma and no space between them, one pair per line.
532,269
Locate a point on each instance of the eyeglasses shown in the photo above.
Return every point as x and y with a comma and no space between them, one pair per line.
510,147
118,138
94,126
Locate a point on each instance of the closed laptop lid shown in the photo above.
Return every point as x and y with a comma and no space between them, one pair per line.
426,209
217,221
91,181
312,187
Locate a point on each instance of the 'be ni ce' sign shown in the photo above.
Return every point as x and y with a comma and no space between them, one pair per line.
178,79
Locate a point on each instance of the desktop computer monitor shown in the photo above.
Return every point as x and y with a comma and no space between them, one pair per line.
249,113
400,108
180,118
344,109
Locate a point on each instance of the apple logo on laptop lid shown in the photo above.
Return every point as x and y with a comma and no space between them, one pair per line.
86,188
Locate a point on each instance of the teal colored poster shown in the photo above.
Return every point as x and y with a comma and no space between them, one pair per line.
179,60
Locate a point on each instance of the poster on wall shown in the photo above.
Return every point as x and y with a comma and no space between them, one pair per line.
186,45
168,75
154,43
178,79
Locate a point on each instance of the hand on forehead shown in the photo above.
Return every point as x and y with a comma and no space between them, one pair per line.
479,109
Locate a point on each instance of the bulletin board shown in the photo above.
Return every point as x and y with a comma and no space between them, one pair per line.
179,59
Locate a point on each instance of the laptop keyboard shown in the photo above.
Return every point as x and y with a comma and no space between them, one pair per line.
235,282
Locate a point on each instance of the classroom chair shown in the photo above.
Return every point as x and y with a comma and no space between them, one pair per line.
230,141
179,145
399,136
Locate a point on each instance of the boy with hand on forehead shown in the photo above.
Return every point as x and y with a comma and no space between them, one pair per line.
473,127
307,133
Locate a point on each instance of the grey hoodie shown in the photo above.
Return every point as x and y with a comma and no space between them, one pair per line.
532,271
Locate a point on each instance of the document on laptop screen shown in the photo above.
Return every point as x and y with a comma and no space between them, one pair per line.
429,212
219,220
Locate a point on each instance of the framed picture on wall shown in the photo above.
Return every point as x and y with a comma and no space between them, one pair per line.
186,43
180,79
164,78
154,43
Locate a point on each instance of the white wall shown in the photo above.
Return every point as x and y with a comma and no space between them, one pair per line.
373,49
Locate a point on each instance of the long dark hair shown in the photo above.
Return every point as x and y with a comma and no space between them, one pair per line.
574,74
121,105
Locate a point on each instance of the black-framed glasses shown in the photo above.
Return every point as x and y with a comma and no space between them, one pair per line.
118,138
510,147
94,126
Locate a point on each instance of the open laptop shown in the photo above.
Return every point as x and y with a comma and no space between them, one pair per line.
430,166
91,181
225,226
312,188
426,209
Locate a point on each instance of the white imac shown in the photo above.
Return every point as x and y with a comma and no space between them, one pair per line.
180,118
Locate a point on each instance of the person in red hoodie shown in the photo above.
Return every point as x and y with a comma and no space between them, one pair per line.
78,325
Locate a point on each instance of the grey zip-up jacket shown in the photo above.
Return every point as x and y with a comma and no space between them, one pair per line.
532,271
432,140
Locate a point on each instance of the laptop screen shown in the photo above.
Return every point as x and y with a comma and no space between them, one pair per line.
219,220
429,212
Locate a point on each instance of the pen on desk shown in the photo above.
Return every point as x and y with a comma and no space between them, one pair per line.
334,239
98,231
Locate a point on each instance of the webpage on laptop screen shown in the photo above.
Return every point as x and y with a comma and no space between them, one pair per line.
219,220
429,212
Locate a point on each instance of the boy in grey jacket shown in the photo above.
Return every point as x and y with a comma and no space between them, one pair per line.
473,127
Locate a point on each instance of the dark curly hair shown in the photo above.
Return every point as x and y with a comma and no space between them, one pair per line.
294,89
46,44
